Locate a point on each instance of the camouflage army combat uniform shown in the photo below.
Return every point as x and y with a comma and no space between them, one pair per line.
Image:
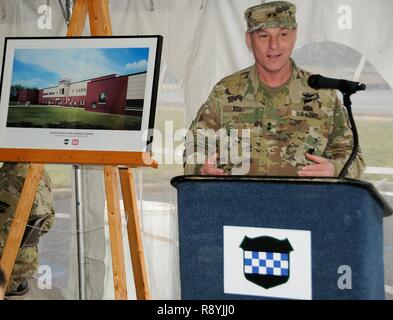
284,123
12,177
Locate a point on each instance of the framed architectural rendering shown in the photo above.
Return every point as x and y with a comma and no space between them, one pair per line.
78,99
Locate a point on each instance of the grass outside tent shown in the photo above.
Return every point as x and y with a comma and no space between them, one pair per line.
376,141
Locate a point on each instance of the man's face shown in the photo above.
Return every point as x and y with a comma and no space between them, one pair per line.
272,47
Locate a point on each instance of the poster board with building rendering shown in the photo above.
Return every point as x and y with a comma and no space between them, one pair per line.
73,96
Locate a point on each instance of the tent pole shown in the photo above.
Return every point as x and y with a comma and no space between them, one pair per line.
80,240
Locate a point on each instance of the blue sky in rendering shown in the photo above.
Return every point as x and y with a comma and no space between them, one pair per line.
43,68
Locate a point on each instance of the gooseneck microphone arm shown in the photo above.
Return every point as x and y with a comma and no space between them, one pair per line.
347,88
355,148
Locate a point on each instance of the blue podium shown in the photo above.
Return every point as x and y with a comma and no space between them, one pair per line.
262,237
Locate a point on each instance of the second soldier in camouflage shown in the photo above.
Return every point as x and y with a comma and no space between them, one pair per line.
41,218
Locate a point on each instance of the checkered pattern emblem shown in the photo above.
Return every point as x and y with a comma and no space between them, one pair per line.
266,260
266,263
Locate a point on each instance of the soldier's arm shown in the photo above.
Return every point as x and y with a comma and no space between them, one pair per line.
340,144
201,134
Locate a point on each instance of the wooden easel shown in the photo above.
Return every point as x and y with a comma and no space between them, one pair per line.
100,25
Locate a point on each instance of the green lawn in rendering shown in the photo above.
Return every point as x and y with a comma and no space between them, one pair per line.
69,118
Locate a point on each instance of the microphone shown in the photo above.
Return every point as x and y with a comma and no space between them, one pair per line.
316,81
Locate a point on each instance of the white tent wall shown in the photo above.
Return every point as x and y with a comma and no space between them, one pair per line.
203,42
20,18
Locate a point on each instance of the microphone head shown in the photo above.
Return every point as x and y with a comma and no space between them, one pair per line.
361,86
313,81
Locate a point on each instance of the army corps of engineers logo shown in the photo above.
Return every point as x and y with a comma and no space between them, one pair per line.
266,261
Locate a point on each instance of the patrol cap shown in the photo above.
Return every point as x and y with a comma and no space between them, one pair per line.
275,14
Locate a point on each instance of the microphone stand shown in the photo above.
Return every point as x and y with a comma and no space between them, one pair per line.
348,105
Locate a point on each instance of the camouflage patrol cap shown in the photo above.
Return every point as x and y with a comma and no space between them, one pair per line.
275,14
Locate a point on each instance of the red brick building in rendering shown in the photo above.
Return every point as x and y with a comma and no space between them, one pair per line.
30,95
109,94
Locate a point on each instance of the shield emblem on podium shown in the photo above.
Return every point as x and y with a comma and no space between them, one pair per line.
266,260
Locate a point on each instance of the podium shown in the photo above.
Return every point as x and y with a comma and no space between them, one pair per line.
343,218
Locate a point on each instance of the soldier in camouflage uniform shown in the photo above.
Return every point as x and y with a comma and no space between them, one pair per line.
292,128
12,177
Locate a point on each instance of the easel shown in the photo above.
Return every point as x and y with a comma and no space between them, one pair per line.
100,25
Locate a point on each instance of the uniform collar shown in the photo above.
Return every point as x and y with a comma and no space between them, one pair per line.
257,84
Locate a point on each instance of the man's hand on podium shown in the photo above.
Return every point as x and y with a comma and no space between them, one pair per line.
210,167
321,168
